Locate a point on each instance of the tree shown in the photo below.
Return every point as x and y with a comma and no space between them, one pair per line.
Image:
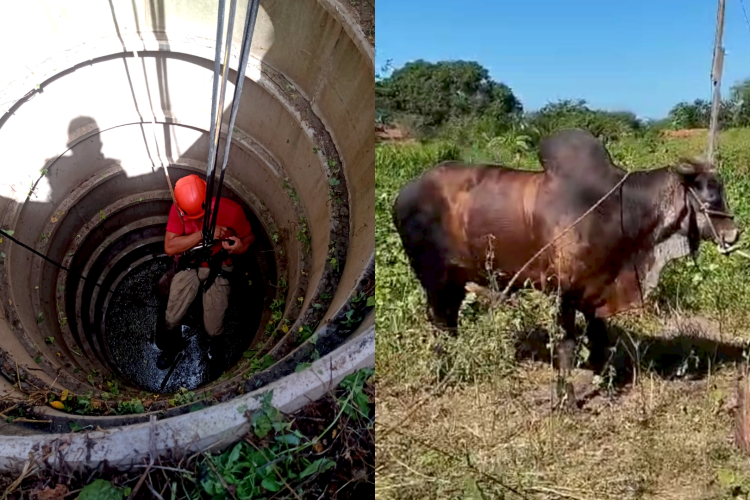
607,125
739,103
439,92
685,115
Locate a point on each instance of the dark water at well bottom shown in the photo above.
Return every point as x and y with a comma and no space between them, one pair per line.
129,329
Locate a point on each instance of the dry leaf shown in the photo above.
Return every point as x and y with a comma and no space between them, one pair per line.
333,434
57,404
54,219
64,395
318,447
56,493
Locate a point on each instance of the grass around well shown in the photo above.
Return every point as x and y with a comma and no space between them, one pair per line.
324,450
470,417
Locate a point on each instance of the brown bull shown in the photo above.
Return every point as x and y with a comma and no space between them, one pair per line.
483,224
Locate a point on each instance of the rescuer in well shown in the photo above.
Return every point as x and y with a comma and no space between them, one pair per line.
185,232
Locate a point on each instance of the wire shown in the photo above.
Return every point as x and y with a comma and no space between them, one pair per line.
747,21
79,275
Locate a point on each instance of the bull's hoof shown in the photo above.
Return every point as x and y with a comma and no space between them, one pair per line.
440,327
566,398
601,359
566,352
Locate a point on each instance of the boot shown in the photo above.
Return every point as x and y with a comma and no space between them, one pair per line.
164,336
171,343
216,354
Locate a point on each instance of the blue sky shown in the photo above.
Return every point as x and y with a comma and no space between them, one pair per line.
639,55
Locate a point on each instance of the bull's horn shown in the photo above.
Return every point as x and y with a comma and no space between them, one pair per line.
685,167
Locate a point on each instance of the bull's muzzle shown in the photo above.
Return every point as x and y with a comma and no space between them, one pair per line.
730,235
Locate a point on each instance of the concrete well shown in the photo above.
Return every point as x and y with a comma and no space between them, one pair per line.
103,96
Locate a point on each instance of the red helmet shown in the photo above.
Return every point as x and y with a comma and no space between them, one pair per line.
190,194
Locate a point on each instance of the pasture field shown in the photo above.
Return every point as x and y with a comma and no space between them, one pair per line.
471,418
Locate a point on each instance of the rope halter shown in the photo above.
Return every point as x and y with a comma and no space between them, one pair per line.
708,212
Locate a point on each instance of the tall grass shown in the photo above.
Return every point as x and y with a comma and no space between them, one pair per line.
489,417
398,298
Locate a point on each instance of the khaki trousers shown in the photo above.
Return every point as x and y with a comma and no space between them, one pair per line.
183,290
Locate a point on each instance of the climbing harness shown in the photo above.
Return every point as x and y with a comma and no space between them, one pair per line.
195,260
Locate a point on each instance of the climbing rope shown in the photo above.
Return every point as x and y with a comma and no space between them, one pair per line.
209,221
217,111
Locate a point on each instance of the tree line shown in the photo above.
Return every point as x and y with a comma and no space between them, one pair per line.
459,99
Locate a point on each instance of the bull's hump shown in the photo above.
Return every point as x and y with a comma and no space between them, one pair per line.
574,153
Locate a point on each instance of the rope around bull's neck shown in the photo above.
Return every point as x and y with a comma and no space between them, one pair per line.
577,221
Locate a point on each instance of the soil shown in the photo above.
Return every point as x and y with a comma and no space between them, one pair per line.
688,132
364,13
391,133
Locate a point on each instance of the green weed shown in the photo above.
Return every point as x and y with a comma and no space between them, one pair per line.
183,397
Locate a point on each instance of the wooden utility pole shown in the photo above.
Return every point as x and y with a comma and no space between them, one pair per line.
716,69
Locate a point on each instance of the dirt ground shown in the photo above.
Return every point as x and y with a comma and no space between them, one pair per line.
664,432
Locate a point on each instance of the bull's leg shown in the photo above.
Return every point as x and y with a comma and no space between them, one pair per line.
566,353
596,331
426,245
566,319
445,302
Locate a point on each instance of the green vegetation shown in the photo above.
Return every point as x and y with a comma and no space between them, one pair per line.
183,397
277,312
290,190
433,95
459,102
303,236
469,417
103,490
324,450
733,112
